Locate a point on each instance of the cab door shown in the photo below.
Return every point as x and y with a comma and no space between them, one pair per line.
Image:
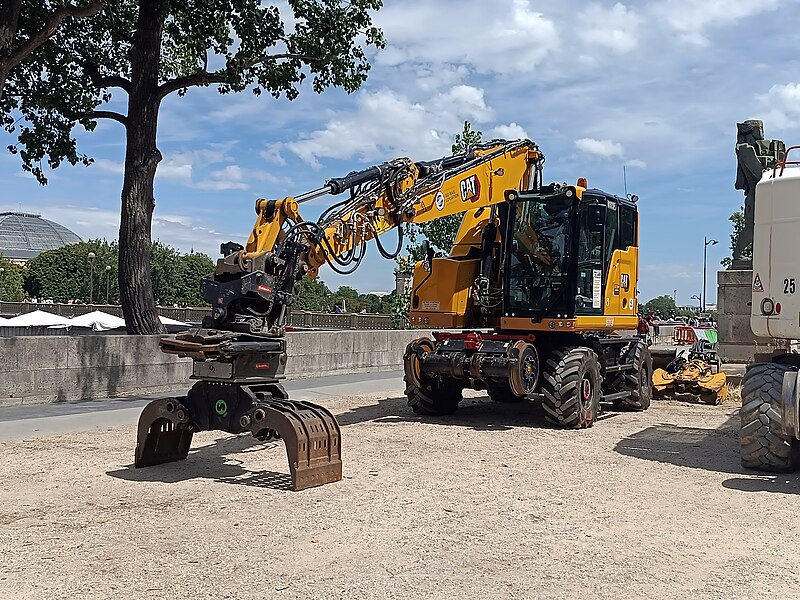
591,260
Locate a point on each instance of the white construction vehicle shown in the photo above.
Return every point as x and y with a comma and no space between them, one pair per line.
770,415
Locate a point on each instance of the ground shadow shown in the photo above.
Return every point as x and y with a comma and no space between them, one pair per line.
707,449
778,483
479,413
211,462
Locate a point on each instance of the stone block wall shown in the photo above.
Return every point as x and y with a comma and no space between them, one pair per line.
62,369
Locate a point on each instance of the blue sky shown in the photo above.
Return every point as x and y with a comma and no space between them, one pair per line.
657,86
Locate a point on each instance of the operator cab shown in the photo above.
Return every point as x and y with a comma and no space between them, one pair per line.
560,250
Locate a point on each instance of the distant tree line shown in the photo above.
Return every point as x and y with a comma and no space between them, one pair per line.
64,275
316,296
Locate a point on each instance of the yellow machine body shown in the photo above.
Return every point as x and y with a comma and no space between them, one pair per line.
444,300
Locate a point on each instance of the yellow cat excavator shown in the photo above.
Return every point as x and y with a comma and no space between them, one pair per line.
530,301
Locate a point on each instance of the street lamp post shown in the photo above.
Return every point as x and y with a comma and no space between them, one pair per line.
2,270
698,298
91,256
108,287
108,278
707,243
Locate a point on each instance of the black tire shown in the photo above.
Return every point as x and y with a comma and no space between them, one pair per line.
500,391
638,381
428,395
435,397
571,384
764,445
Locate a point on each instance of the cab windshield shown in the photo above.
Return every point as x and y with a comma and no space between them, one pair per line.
538,253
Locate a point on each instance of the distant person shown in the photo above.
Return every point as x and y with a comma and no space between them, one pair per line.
643,330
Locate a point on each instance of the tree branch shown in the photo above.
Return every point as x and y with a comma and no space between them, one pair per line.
203,77
102,114
50,27
104,81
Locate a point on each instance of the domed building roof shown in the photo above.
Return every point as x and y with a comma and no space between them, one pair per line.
25,235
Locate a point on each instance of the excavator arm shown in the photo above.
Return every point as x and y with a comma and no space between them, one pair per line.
239,354
254,284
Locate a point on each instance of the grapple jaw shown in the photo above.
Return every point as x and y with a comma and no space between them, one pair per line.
310,432
164,433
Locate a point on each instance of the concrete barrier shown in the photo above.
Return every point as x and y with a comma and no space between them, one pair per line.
40,370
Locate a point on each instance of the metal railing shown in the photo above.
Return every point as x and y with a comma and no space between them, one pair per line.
195,314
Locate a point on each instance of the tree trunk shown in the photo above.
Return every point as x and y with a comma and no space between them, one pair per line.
9,17
141,161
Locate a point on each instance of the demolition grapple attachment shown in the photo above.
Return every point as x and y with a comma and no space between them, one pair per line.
238,392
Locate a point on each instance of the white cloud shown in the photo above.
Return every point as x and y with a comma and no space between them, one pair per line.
781,106
691,18
636,164
512,131
229,178
176,168
615,28
387,124
109,166
431,78
92,222
273,155
602,148
503,36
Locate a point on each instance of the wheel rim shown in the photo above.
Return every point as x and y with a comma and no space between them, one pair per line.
586,391
412,367
530,371
525,375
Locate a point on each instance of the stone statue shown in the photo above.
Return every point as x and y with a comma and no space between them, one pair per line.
754,155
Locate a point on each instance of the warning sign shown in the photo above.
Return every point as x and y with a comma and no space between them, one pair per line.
757,285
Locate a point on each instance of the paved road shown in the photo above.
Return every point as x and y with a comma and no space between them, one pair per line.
39,420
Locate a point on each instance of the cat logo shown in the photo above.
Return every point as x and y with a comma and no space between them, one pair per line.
470,189
757,285
625,282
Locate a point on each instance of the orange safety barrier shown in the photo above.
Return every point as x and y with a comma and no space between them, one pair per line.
684,335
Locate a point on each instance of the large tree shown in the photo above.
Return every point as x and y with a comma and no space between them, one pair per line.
63,274
11,289
149,49
663,306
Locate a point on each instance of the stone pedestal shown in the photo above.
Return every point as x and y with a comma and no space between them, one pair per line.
737,344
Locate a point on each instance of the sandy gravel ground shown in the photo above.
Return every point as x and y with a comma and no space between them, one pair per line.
490,503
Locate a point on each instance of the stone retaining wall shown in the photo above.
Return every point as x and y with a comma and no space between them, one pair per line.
62,369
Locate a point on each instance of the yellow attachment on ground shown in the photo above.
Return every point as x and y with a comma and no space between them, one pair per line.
695,377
